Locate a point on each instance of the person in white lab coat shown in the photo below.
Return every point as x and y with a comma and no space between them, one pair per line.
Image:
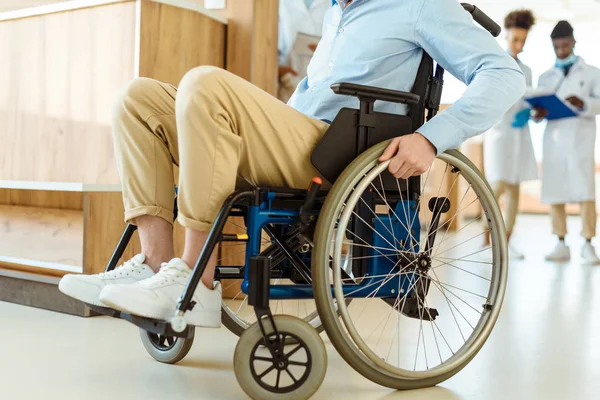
297,16
569,143
508,150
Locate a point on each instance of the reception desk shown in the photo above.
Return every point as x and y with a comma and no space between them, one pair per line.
61,68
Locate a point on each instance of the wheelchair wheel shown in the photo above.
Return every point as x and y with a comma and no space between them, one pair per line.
430,293
166,349
297,375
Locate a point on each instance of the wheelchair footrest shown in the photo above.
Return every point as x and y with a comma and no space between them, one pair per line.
411,308
155,326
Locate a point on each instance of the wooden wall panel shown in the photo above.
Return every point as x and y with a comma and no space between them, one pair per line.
175,40
264,45
103,226
42,198
240,16
60,75
252,34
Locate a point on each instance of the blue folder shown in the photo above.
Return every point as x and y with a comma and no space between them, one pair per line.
557,108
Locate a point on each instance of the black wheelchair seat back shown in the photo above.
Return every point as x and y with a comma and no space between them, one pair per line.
354,131
339,146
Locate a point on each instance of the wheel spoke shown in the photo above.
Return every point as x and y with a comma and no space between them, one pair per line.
462,269
291,376
266,371
278,376
267,359
293,351
298,363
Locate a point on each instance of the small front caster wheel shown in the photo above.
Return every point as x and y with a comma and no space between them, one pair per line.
166,349
297,373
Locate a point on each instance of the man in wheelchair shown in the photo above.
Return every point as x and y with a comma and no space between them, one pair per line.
220,130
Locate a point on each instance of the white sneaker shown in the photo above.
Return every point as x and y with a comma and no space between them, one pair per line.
87,288
515,254
157,297
588,254
561,253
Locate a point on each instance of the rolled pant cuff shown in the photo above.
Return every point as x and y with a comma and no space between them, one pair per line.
188,222
153,211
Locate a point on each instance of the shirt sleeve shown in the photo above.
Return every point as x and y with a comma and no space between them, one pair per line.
495,81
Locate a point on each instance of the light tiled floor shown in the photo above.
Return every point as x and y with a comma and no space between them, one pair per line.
546,345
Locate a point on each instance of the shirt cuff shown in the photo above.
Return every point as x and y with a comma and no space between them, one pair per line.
442,133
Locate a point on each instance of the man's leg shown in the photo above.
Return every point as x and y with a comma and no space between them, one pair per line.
588,223
559,220
561,251
588,219
145,138
511,210
228,127
498,187
512,207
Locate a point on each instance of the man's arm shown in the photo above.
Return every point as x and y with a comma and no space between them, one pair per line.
495,81
591,102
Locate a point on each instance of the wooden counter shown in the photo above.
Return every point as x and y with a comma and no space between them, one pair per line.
63,66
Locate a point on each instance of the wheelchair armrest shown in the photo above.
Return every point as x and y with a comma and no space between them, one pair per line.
394,96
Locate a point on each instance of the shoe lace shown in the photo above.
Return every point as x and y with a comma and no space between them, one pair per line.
127,268
168,273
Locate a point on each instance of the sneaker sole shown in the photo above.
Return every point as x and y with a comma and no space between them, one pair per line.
200,318
79,294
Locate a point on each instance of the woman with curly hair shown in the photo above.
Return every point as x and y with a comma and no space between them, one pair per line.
508,150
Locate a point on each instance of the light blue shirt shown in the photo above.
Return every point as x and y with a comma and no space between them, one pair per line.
380,43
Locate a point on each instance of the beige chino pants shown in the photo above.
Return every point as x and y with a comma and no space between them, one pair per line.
217,128
511,204
588,219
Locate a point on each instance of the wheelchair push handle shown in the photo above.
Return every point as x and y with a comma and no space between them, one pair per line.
482,19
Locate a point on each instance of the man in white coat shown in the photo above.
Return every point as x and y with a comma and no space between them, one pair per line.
508,150
569,143
297,16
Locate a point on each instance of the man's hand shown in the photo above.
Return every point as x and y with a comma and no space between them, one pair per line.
540,114
576,101
286,70
410,155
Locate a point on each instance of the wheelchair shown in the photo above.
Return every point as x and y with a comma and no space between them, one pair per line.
405,296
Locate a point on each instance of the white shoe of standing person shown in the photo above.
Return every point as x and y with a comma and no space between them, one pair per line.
560,253
515,254
588,255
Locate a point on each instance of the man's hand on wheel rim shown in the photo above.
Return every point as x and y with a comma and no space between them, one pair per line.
410,155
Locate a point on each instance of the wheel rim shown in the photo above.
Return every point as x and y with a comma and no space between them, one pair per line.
237,308
296,356
162,342
443,258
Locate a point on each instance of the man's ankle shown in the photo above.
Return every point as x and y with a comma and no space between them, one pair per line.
154,261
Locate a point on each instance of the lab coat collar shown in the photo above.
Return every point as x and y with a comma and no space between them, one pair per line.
579,64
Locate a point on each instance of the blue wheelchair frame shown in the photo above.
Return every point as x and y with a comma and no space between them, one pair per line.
381,262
